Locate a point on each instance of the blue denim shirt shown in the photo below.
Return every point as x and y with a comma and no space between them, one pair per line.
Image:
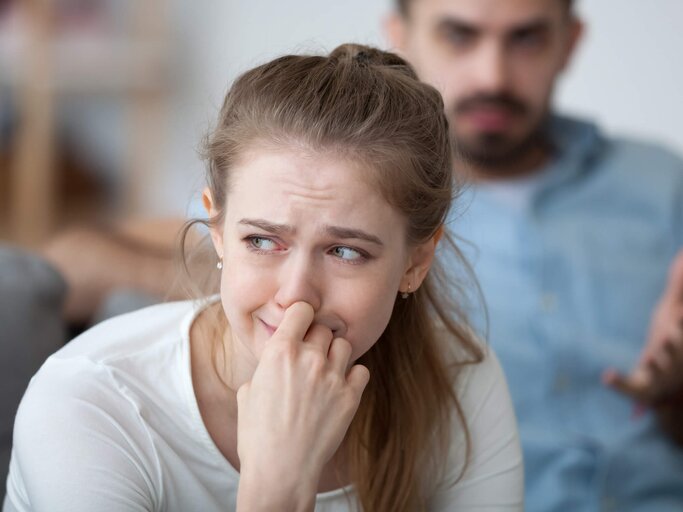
571,263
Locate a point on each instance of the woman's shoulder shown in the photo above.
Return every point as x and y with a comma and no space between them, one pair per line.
74,416
476,372
110,373
127,335
493,475
140,359
481,380
119,360
106,396
482,391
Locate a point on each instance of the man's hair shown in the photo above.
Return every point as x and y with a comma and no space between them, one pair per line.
402,5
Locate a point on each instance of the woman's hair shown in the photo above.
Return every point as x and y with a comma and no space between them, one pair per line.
367,106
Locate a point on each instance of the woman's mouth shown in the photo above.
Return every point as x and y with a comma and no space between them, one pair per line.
269,328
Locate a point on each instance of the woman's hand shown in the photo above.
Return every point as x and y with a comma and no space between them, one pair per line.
294,413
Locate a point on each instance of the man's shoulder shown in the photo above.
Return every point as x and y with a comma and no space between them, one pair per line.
586,137
642,169
642,153
633,162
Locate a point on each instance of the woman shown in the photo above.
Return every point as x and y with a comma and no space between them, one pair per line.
332,373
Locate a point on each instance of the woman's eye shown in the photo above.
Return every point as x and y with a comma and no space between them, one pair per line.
346,253
262,244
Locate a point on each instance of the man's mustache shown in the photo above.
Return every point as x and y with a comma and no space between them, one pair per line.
499,101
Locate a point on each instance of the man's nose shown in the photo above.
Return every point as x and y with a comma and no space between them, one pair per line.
299,280
492,68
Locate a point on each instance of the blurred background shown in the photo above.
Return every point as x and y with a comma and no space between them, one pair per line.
103,103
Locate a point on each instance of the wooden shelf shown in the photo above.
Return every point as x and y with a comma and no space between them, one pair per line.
92,65
42,65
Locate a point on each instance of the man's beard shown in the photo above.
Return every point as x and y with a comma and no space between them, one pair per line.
494,153
497,151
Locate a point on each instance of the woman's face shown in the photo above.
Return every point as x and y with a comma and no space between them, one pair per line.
303,226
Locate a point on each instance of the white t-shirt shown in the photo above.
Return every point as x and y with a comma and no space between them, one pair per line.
111,423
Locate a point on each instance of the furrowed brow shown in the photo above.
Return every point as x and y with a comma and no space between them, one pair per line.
350,233
270,227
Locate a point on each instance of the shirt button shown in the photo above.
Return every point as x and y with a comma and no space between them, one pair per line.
549,302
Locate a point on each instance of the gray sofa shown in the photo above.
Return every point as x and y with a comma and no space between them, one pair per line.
31,328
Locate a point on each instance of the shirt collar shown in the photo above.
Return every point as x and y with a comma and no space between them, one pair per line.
574,143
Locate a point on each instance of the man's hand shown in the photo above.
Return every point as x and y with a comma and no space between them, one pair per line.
658,376
96,260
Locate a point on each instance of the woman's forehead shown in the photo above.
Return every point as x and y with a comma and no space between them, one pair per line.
291,169
289,186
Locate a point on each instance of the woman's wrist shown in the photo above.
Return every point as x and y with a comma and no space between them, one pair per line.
267,491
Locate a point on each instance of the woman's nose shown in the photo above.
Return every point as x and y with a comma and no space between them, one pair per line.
299,280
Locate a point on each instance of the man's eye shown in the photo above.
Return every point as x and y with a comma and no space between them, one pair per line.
459,38
347,253
531,39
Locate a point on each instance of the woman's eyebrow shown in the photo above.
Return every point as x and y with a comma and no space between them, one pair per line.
271,227
335,231
346,233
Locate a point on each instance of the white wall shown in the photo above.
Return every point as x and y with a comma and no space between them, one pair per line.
628,73
218,39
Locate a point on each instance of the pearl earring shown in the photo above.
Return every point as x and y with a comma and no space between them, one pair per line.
219,265
405,294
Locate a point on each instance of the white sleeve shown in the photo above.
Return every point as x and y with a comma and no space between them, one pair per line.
494,478
80,445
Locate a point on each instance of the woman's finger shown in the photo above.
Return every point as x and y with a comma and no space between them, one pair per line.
296,321
358,377
319,336
339,355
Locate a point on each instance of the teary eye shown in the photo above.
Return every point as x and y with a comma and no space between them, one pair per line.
347,253
261,244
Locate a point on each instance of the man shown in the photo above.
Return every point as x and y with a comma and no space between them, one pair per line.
574,233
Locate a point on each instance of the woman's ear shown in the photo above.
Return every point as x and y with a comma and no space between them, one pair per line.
419,263
216,231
